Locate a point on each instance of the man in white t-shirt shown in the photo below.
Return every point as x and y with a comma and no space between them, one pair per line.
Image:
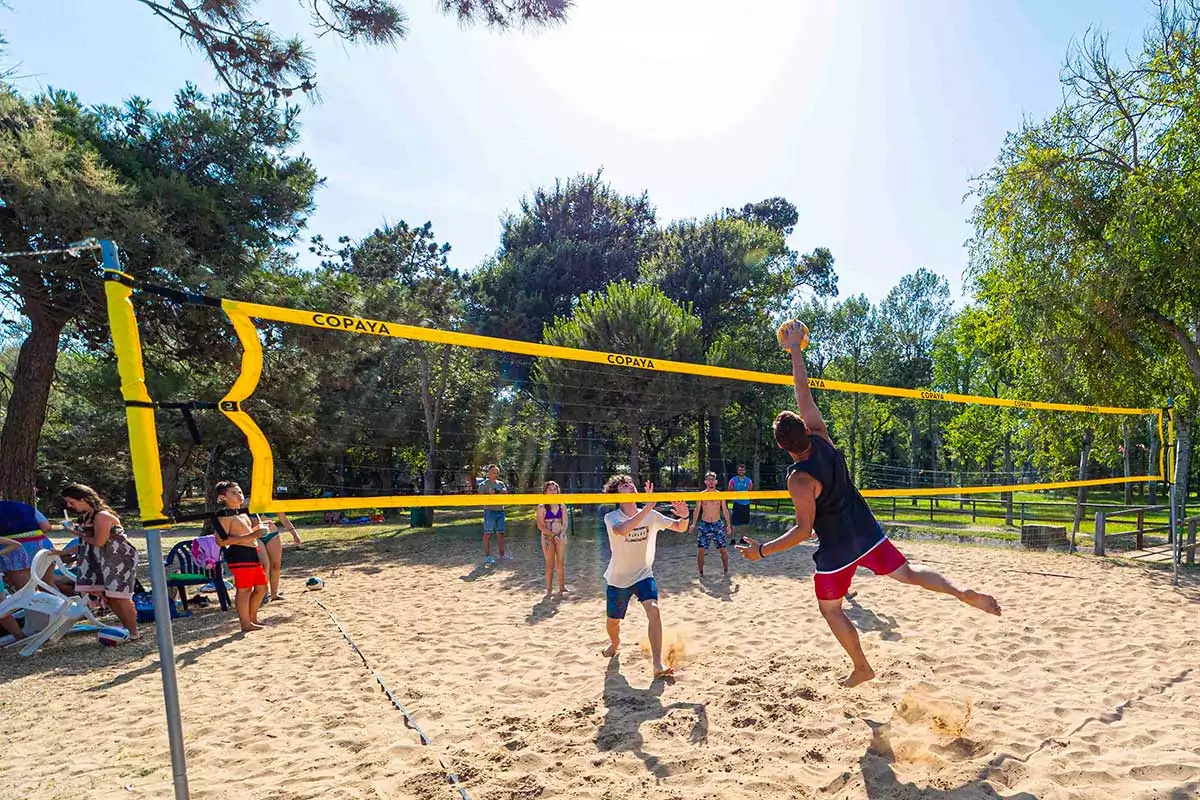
632,535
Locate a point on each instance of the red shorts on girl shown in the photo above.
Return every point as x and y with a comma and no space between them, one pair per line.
882,559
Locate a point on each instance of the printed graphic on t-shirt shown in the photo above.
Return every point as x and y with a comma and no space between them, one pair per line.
638,534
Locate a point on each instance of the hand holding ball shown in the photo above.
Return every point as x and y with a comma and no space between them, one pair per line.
792,334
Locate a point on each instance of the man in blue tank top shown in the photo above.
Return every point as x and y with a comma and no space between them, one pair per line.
828,504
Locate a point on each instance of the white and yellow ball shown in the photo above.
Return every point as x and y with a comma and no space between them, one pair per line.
792,334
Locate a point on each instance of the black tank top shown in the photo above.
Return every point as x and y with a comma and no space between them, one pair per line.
845,527
234,553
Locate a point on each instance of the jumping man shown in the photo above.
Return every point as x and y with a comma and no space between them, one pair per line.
828,504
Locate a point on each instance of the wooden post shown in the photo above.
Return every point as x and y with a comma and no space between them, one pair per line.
1141,528
931,502
1022,515
893,509
972,510
1098,546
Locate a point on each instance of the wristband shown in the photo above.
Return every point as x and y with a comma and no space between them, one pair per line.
761,554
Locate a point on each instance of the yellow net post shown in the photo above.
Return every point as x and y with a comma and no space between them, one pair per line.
139,408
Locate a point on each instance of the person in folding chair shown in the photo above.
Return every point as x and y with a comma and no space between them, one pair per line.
8,549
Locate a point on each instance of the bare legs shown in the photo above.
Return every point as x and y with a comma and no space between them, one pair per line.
653,630
917,575
554,551
847,636
560,561
274,565
248,602
487,544
913,575
548,553
125,611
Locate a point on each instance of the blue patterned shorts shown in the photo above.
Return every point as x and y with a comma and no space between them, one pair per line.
710,534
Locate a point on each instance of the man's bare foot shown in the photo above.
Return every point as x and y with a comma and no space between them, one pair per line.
663,671
547,595
859,675
253,626
984,602
611,650
562,591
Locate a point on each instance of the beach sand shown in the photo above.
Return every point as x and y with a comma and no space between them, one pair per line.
1087,689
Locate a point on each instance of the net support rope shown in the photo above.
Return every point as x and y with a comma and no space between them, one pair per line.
409,721
143,437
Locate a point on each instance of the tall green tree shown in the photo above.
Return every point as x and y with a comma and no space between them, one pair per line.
624,318
201,196
909,318
402,274
733,270
1086,228
568,240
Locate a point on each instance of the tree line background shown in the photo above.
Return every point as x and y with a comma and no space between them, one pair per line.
1083,273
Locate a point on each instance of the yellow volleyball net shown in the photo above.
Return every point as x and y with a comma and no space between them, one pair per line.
252,322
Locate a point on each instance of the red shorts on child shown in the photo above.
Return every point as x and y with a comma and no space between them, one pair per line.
247,576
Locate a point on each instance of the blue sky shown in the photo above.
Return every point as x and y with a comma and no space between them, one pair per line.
870,115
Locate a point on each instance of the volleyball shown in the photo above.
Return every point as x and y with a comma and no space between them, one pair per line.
792,334
112,636
314,584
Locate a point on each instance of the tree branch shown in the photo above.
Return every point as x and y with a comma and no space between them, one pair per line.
1190,351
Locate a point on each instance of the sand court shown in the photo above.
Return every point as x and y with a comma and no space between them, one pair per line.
1087,688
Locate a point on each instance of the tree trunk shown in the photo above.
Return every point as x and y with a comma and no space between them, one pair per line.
701,441
1084,452
431,404
716,461
210,477
1152,467
1183,460
172,468
1007,497
914,447
27,406
756,466
587,459
1127,447
854,441
635,443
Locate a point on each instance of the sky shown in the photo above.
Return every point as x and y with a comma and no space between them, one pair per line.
871,116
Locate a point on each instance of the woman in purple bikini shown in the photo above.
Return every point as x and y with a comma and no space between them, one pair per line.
552,522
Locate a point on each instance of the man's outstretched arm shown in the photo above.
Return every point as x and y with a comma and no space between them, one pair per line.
804,399
803,491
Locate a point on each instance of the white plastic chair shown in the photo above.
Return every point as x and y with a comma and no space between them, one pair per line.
60,613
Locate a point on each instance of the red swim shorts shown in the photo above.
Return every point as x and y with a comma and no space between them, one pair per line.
247,576
882,559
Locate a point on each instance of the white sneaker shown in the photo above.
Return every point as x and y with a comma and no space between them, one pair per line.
489,560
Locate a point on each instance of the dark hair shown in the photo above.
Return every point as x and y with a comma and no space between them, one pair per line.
85,494
741,466
616,480
222,487
791,433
